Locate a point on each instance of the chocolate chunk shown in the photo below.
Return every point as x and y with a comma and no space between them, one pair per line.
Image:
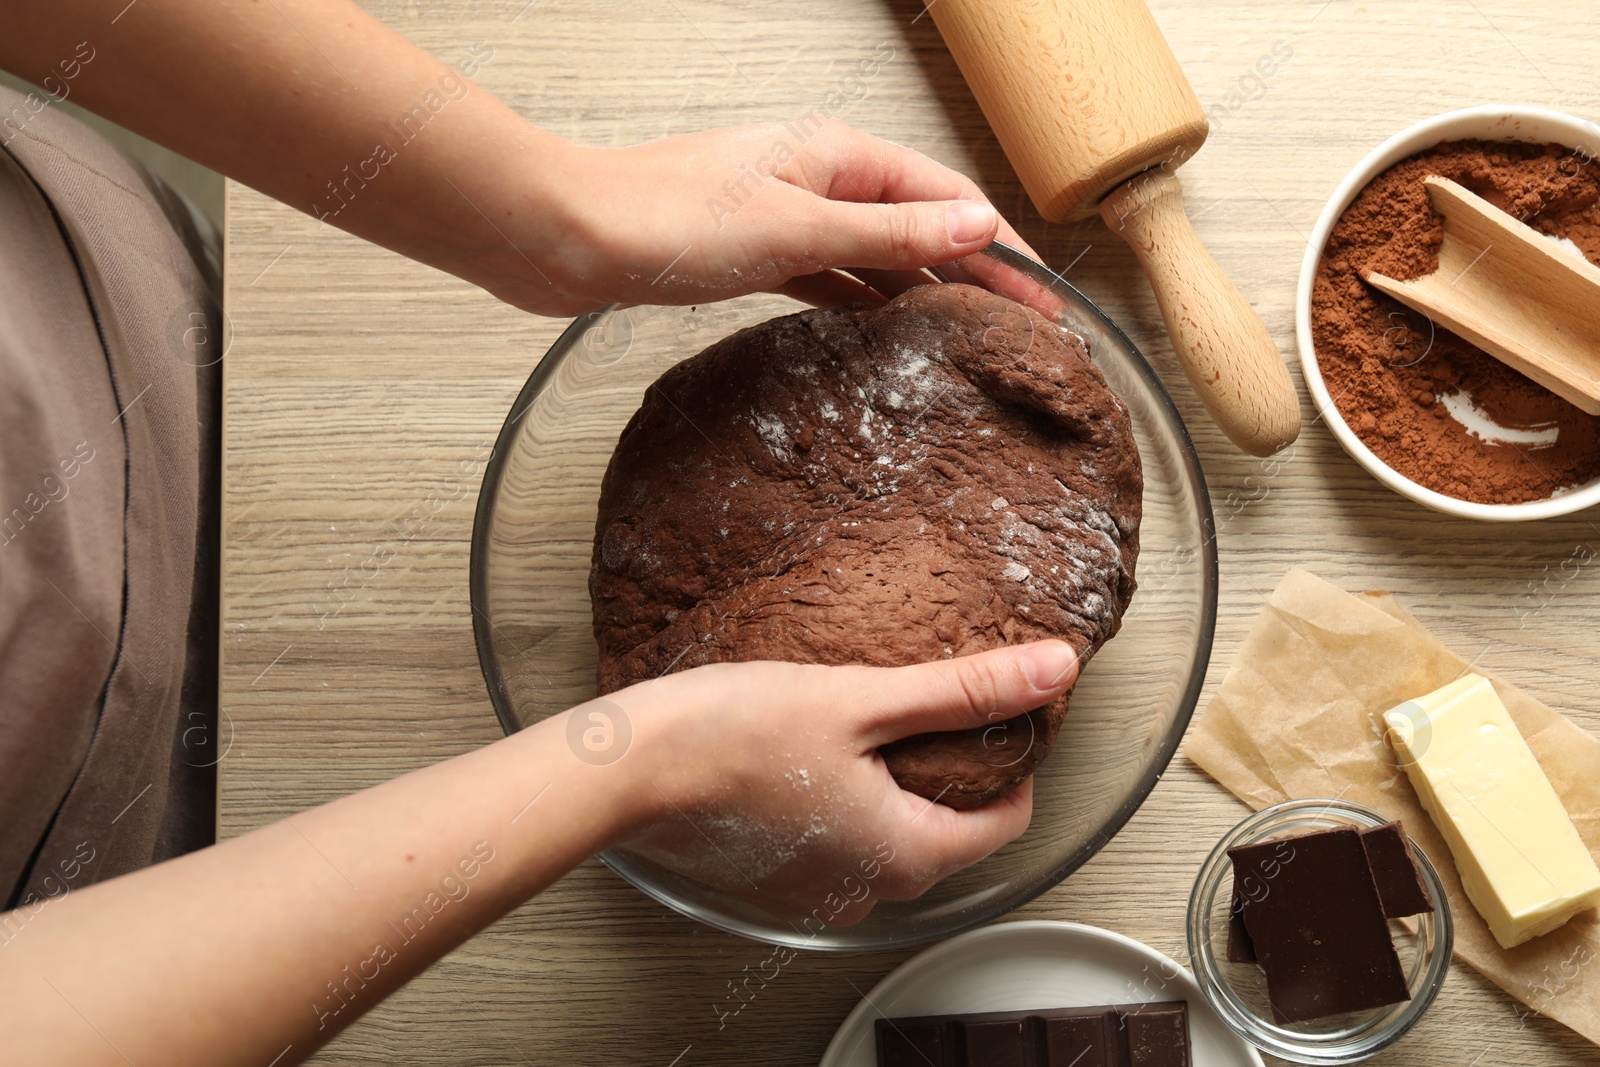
1240,948
1089,1039
1394,871
942,475
1318,928
995,1043
1128,1035
914,1043
1157,1035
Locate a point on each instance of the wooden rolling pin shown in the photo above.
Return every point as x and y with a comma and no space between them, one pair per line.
1094,113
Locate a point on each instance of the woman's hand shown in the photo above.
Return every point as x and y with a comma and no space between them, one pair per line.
732,211
764,780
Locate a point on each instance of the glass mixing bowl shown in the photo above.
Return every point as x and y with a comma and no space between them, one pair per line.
530,569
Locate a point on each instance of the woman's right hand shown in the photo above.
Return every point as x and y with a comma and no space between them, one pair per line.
764,779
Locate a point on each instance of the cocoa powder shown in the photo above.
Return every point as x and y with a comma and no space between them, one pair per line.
1395,376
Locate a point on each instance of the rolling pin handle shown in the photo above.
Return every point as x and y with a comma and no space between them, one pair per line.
1221,343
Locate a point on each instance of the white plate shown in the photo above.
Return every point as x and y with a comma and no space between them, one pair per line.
1024,966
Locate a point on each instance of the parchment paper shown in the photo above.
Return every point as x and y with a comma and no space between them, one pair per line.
1297,715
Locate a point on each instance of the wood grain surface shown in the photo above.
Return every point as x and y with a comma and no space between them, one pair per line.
360,385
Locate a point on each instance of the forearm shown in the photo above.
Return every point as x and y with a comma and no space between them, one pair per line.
260,949
317,104
283,936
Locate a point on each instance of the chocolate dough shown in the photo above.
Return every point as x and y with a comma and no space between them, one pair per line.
939,476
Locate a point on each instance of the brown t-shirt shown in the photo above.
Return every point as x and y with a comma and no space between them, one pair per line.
109,385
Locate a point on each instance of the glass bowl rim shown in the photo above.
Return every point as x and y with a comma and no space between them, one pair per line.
1034,271
1268,1036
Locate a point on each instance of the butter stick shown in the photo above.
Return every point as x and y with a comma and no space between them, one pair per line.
1521,861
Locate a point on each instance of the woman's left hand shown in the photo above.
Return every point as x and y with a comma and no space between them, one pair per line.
770,207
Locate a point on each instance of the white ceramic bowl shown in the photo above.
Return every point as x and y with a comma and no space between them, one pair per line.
1489,123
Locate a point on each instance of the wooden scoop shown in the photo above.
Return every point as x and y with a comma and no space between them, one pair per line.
1513,292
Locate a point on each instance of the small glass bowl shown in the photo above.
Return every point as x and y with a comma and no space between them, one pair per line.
1238,991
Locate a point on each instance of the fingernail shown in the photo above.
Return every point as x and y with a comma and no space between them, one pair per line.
970,220
1048,663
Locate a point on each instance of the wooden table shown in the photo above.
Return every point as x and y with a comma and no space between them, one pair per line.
358,381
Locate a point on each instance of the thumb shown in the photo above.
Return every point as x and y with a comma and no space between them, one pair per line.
906,236
958,694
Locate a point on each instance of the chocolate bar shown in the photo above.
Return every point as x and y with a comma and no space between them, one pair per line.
1126,1035
1317,925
